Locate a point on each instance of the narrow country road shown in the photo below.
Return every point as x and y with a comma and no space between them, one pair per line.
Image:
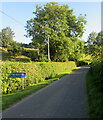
64,98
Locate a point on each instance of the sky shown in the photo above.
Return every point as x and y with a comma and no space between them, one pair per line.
15,14
102,16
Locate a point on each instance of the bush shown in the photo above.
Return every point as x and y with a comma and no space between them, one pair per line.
36,72
95,89
43,58
83,63
32,53
15,50
97,71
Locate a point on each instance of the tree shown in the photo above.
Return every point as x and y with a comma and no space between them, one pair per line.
52,27
15,50
0,39
95,43
99,44
77,49
99,39
92,38
7,37
90,42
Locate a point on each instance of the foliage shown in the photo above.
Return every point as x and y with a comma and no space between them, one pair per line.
30,45
95,90
82,63
0,39
97,71
6,37
9,99
31,53
53,28
78,49
6,56
36,72
95,44
22,58
15,50
95,83
43,58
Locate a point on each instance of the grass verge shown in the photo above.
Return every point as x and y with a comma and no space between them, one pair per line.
10,99
95,97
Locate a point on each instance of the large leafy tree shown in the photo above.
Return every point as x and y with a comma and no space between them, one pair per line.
99,44
7,37
52,27
95,44
99,39
91,42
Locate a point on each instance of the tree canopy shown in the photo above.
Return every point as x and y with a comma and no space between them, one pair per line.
6,37
55,25
95,44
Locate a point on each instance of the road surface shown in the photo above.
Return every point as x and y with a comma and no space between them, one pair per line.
64,98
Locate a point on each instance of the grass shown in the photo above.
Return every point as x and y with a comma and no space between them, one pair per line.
95,98
10,99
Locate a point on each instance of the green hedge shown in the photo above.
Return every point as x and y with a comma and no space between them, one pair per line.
36,72
97,71
95,89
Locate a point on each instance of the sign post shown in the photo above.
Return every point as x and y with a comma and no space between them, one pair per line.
23,83
19,75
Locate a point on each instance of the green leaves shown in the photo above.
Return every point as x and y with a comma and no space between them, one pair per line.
36,72
15,50
7,37
95,44
58,24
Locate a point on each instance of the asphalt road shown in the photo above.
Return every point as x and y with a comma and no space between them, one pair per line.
64,98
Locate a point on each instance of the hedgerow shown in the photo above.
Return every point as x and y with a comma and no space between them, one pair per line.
36,72
95,89
97,71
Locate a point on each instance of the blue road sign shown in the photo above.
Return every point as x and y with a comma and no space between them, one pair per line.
17,75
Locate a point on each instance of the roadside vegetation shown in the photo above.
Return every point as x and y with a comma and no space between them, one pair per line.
36,73
95,76
55,50
95,96
56,39
12,98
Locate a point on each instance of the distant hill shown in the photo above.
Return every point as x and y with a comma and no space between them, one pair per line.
5,56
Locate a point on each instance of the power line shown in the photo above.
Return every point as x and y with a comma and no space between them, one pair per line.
11,18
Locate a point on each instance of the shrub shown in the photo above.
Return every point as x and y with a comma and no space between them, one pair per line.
15,50
82,63
43,58
32,53
97,71
95,89
36,72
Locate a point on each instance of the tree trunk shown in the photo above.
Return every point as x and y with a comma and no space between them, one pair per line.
48,51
